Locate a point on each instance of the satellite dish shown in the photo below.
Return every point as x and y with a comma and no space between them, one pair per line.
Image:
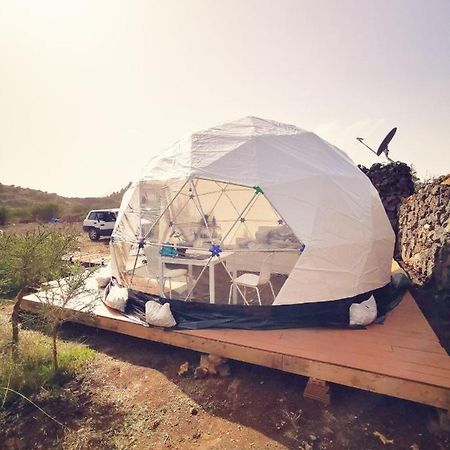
383,148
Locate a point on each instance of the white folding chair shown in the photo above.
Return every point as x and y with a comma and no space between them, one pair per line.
156,270
253,281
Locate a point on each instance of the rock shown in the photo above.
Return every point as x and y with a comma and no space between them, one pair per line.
200,372
155,424
212,365
384,440
183,369
194,411
394,182
420,217
423,240
223,370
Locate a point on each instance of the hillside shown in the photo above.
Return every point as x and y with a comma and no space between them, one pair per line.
24,204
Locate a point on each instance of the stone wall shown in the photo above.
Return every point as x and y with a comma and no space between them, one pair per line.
423,238
420,217
394,182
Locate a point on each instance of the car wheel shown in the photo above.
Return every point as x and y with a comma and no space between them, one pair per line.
94,235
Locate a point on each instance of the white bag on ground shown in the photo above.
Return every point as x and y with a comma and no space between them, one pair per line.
159,315
363,313
117,298
103,276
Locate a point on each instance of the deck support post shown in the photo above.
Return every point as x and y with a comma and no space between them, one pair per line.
443,419
318,390
211,364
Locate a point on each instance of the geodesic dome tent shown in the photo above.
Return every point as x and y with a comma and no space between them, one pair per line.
252,204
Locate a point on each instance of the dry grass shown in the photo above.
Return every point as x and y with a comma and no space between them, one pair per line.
33,368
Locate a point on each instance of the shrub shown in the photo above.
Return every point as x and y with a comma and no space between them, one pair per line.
45,211
33,367
33,258
28,260
55,297
4,215
20,214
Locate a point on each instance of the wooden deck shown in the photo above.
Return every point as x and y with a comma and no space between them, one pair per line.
401,358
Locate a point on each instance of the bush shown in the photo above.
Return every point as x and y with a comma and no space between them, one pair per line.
33,369
45,211
21,215
28,260
4,215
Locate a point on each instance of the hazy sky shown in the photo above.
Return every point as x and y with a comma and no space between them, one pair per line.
90,90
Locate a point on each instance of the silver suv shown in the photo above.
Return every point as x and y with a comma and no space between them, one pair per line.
100,222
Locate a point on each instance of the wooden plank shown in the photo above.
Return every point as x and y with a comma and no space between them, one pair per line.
350,336
405,362
331,351
408,390
365,337
349,354
317,390
431,375
431,359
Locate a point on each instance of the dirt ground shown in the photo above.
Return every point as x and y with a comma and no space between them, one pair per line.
87,248
131,397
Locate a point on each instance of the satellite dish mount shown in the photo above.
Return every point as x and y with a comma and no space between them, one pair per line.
383,147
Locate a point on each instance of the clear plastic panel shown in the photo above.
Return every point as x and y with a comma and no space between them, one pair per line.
128,227
206,212
178,223
183,222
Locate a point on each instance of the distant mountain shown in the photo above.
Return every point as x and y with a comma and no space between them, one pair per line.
23,204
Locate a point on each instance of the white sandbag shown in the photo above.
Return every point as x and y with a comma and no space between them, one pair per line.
117,298
103,276
363,313
159,315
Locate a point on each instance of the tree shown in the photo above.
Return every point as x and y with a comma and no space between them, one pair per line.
22,214
62,300
4,215
45,211
27,261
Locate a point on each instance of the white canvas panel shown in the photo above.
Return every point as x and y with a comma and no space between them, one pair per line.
327,202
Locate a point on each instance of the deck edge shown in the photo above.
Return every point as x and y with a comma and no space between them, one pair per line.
347,376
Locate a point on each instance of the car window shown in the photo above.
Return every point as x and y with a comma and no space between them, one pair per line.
92,216
106,216
110,217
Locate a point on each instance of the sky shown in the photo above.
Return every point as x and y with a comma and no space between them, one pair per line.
90,90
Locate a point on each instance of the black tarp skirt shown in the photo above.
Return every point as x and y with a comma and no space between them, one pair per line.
194,315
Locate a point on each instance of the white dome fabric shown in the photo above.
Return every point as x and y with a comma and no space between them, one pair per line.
328,203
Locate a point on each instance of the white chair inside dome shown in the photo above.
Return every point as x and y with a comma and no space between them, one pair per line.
254,281
161,274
